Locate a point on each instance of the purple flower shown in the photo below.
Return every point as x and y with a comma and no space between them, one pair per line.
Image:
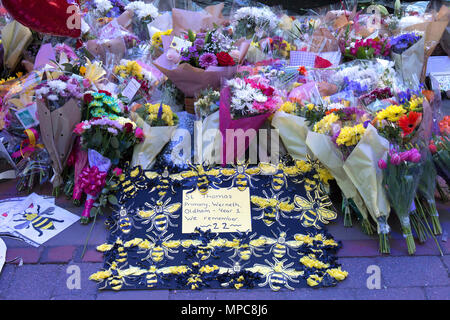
207,59
199,43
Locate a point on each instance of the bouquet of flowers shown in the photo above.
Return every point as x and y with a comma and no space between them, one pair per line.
159,123
144,13
59,110
340,130
128,71
408,52
440,149
244,104
400,173
367,49
204,64
251,22
108,142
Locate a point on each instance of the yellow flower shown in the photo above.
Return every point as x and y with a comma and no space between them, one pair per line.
82,70
310,106
414,103
324,125
391,113
156,38
350,136
288,107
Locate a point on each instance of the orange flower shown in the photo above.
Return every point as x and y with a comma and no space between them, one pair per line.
409,122
302,71
444,125
331,111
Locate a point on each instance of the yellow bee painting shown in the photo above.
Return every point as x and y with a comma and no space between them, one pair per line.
159,215
201,178
277,274
159,247
273,208
279,246
314,209
240,175
38,220
130,183
245,247
116,277
279,174
163,182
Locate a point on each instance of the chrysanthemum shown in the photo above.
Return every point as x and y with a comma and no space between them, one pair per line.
207,59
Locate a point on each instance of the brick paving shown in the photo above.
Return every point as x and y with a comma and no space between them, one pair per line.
46,271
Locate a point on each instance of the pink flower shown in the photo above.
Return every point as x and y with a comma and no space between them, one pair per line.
415,156
139,133
79,128
382,164
405,156
117,172
86,83
395,159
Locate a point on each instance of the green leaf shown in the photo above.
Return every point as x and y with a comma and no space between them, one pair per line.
97,139
191,36
114,142
112,199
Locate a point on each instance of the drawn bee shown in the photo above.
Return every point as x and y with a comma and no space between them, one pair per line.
272,208
124,222
279,174
314,210
160,247
279,246
160,214
37,220
240,175
246,248
163,182
117,277
277,274
130,183
201,178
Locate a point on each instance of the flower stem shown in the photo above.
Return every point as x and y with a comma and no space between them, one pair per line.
433,213
347,212
384,243
422,213
367,227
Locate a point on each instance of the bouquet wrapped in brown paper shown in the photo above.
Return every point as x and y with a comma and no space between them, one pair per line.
57,134
202,62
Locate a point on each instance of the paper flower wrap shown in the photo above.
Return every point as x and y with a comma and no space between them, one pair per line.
331,157
191,80
209,139
407,63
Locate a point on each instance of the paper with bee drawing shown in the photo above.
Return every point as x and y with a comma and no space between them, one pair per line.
219,210
37,219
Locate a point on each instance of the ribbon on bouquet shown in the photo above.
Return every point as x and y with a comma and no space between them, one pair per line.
28,145
93,178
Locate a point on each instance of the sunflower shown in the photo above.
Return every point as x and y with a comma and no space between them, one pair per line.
409,122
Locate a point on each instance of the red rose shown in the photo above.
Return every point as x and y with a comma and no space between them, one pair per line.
128,127
224,59
88,98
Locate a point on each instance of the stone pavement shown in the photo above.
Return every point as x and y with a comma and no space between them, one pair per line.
47,270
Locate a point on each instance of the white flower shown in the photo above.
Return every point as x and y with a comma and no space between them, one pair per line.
42,92
143,10
103,5
52,97
263,17
113,131
57,85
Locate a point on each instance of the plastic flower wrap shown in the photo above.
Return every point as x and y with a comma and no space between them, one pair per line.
250,22
129,70
158,122
113,139
144,13
440,149
400,173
